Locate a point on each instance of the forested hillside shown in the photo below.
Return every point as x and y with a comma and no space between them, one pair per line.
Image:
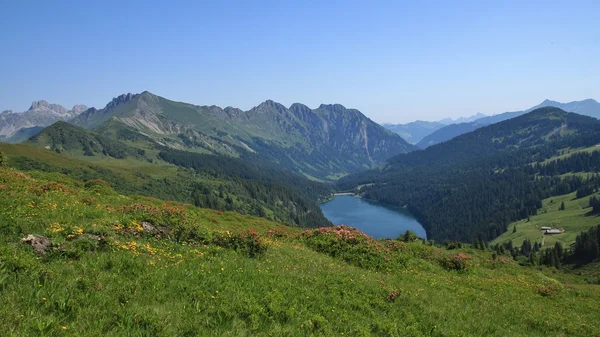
473,186
588,107
141,166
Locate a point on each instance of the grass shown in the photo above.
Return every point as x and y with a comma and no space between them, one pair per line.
107,276
567,152
573,220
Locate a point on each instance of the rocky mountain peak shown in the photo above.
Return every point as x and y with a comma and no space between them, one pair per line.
124,98
332,107
270,104
299,107
79,108
39,104
61,110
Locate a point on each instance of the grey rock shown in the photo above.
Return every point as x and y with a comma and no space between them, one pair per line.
40,244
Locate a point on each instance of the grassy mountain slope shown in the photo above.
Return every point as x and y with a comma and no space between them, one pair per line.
64,137
321,143
200,271
474,185
574,219
221,183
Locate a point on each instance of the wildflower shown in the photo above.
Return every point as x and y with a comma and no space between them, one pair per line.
56,227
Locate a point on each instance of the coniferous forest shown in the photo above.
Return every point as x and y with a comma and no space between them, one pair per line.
473,186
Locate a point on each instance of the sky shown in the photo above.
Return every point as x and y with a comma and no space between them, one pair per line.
395,61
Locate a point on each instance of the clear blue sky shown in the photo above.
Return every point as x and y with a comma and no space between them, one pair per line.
395,61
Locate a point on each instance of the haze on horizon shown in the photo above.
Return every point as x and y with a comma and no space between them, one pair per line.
394,61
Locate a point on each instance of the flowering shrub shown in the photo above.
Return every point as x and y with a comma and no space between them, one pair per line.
459,262
347,243
166,214
248,242
277,233
550,287
49,187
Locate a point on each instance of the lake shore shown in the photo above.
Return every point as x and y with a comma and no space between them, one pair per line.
372,218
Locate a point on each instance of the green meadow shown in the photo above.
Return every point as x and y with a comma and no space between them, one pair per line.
574,219
136,266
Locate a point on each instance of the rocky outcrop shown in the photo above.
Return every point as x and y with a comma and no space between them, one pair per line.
40,244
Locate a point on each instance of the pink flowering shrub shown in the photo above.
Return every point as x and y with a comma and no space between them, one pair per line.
347,243
459,262
549,287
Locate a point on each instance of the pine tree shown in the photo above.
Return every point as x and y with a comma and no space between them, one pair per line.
594,250
559,250
562,206
514,228
555,259
532,259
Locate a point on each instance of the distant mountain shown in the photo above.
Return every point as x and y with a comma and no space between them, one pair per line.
448,121
445,133
15,127
413,132
588,107
323,143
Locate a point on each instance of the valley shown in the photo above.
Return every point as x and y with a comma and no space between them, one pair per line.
299,169
292,227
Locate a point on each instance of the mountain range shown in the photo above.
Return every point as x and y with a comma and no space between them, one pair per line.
322,143
448,121
413,132
16,127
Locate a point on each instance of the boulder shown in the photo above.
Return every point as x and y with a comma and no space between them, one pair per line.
40,244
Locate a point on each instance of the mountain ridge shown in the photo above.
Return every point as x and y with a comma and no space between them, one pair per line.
321,143
587,107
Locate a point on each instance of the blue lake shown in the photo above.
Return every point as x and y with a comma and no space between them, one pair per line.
371,218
